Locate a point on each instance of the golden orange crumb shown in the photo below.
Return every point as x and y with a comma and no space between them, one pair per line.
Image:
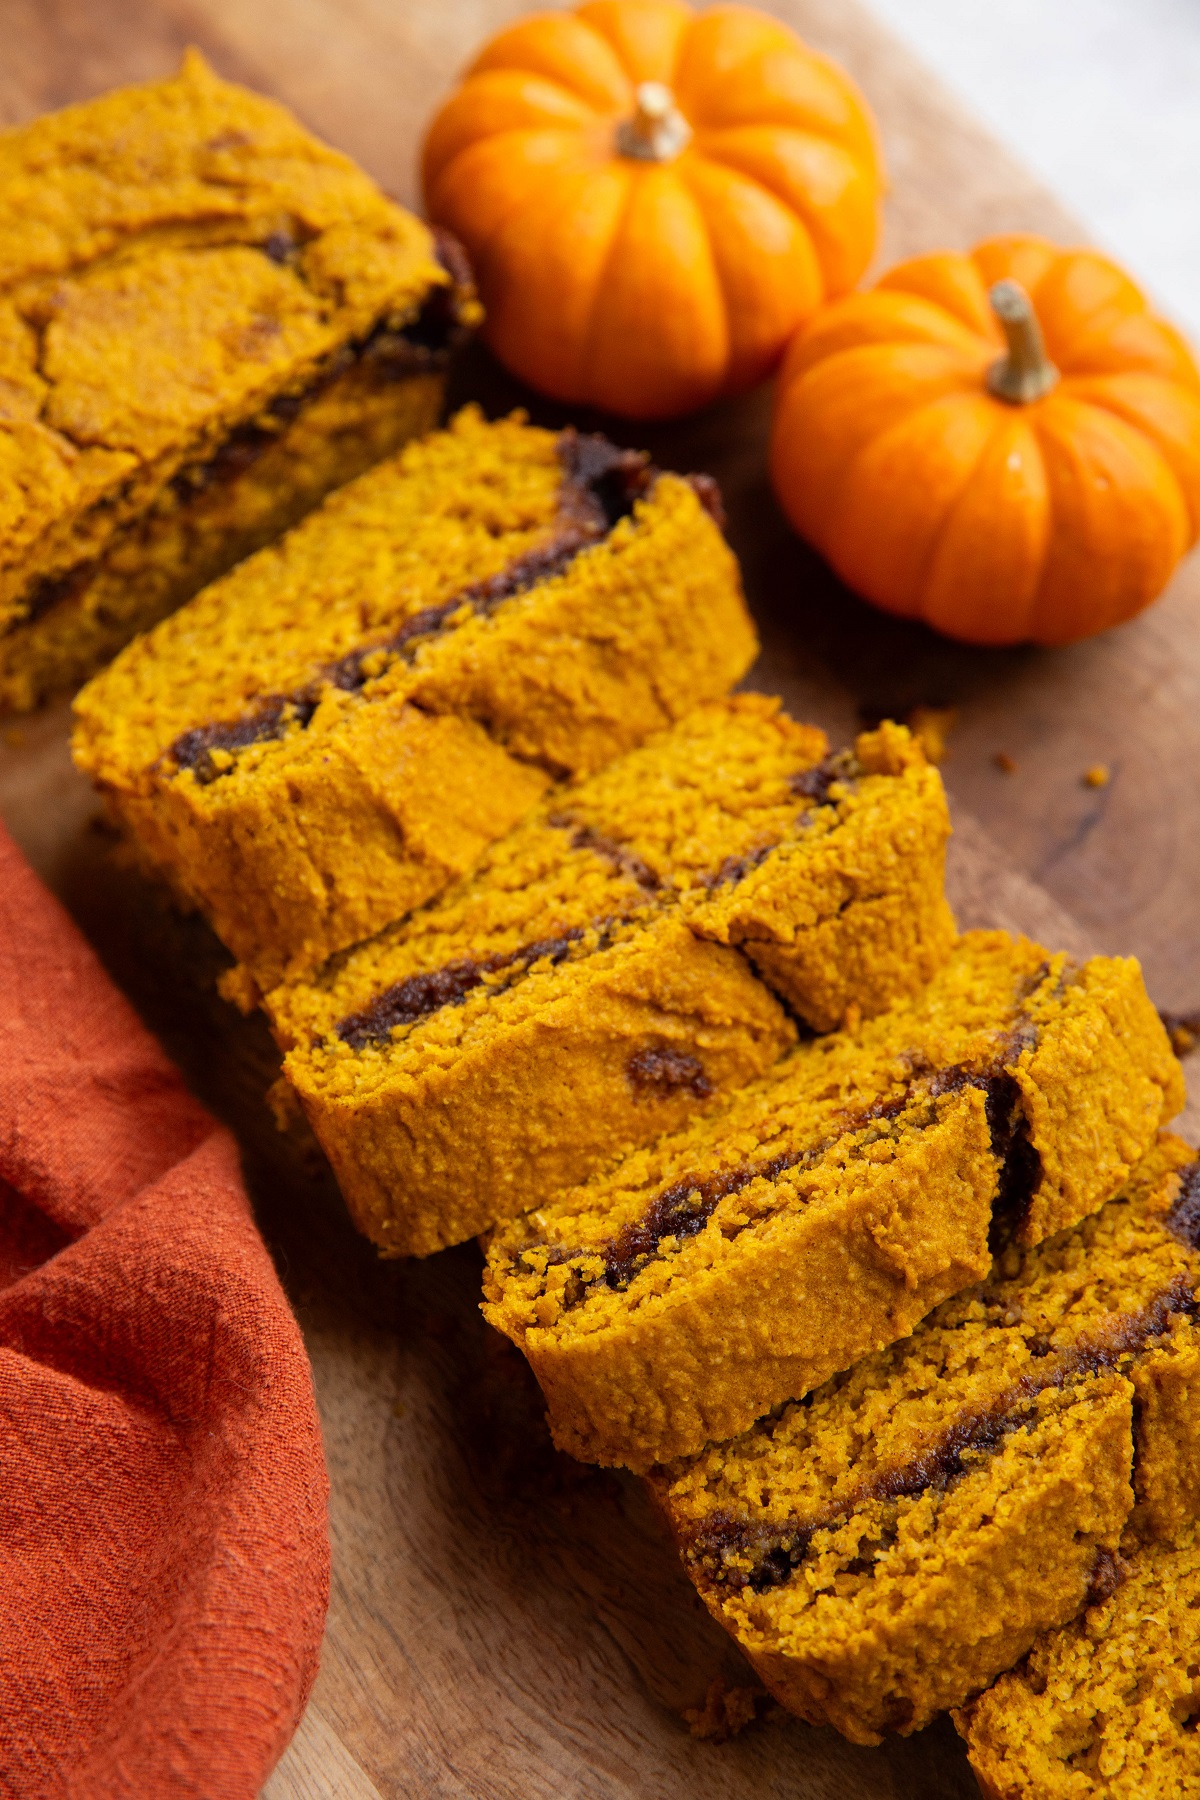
1104,1706
726,1711
1004,763
1183,1029
931,726
283,1105
1097,776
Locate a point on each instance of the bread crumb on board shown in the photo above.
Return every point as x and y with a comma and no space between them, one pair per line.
726,1711
931,726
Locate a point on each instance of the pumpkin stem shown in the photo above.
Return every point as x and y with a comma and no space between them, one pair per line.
658,131
1026,372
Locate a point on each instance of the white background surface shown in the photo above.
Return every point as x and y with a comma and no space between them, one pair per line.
1101,98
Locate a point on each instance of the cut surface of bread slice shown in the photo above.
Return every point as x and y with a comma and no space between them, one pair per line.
579,993
884,1549
327,736
1104,1708
823,1211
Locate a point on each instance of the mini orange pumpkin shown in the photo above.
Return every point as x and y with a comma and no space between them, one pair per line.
653,200
1005,444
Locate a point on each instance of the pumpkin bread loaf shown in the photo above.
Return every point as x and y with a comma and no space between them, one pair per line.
885,1548
324,738
207,320
1104,1708
584,989
823,1211
840,906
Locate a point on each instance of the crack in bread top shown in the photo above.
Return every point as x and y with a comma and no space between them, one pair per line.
389,353
224,242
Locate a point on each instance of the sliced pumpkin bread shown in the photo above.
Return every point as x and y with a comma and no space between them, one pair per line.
1104,1708
326,737
208,319
820,1214
884,1548
587,989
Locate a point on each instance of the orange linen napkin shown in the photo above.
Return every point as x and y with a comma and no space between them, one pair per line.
164,1563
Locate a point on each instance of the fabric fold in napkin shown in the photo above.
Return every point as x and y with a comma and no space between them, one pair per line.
164,1562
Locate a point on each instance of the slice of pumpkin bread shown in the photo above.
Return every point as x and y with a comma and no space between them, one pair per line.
207,320
822,1212
324,738
844,911
578,994
885,1548
1104,1708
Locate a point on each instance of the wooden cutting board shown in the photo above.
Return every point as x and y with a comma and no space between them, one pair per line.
505,1624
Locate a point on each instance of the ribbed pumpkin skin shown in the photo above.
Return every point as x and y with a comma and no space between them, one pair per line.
994,523
652,288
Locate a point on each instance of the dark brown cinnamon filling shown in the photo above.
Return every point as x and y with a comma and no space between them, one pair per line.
679,1211
1020,1165
775,1549
52,592
658,1073
1184,1217
708,493
810,784
814,784
600,485
423,346
1109,1572
735,868
619,857
419,995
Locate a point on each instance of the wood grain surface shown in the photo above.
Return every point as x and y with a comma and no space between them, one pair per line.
505,1623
